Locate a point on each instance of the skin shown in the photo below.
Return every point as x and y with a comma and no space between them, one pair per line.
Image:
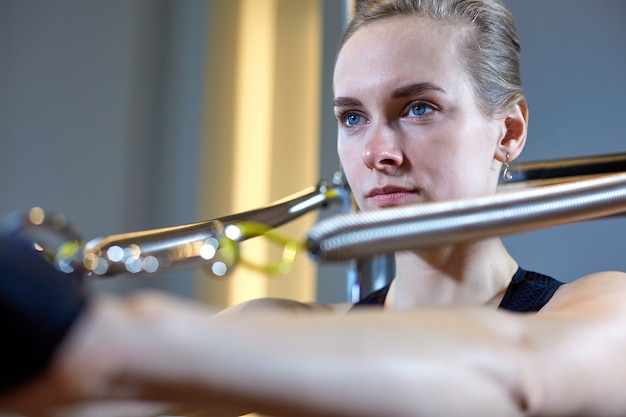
283,358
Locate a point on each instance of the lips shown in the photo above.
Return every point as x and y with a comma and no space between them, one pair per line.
390,195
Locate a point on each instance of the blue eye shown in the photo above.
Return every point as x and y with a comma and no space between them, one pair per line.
419,109
352,119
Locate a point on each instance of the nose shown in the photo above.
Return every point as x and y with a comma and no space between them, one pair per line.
382,150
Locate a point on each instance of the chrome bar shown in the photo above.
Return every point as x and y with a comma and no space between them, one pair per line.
360,235
189,245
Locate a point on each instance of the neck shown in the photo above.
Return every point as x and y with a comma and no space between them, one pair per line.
475,273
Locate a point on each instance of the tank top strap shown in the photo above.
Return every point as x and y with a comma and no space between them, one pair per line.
529,291
376,298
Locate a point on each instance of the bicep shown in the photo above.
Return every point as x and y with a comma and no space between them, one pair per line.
576,345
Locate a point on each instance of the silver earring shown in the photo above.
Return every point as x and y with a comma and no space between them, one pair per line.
506,174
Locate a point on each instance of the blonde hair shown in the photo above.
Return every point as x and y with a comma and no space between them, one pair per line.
491,53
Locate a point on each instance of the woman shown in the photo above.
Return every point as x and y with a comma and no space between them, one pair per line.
437,127
429,108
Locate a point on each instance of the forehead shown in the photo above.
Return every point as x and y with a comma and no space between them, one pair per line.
401,50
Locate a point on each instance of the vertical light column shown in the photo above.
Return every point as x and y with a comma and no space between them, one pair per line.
296,124
254,95
261,130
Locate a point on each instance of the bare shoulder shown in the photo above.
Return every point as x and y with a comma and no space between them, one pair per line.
601,291
580,332
282,305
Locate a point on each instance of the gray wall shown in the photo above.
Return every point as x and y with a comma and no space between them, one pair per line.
100,116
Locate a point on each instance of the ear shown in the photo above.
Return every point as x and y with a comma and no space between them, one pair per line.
513,138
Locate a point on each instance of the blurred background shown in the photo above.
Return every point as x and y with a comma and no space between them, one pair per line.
128,115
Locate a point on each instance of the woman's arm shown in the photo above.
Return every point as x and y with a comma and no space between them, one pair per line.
566,360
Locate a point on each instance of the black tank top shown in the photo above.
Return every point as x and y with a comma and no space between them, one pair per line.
528,292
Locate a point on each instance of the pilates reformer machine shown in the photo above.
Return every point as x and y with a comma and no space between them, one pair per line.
540,194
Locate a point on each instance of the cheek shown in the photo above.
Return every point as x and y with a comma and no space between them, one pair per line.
351,162
349,156
341,151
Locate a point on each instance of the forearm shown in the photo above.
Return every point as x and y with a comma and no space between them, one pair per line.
362,364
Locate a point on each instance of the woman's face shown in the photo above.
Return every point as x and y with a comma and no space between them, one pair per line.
410,129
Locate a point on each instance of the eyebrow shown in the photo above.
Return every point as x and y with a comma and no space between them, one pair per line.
346,101
404,91
411,89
